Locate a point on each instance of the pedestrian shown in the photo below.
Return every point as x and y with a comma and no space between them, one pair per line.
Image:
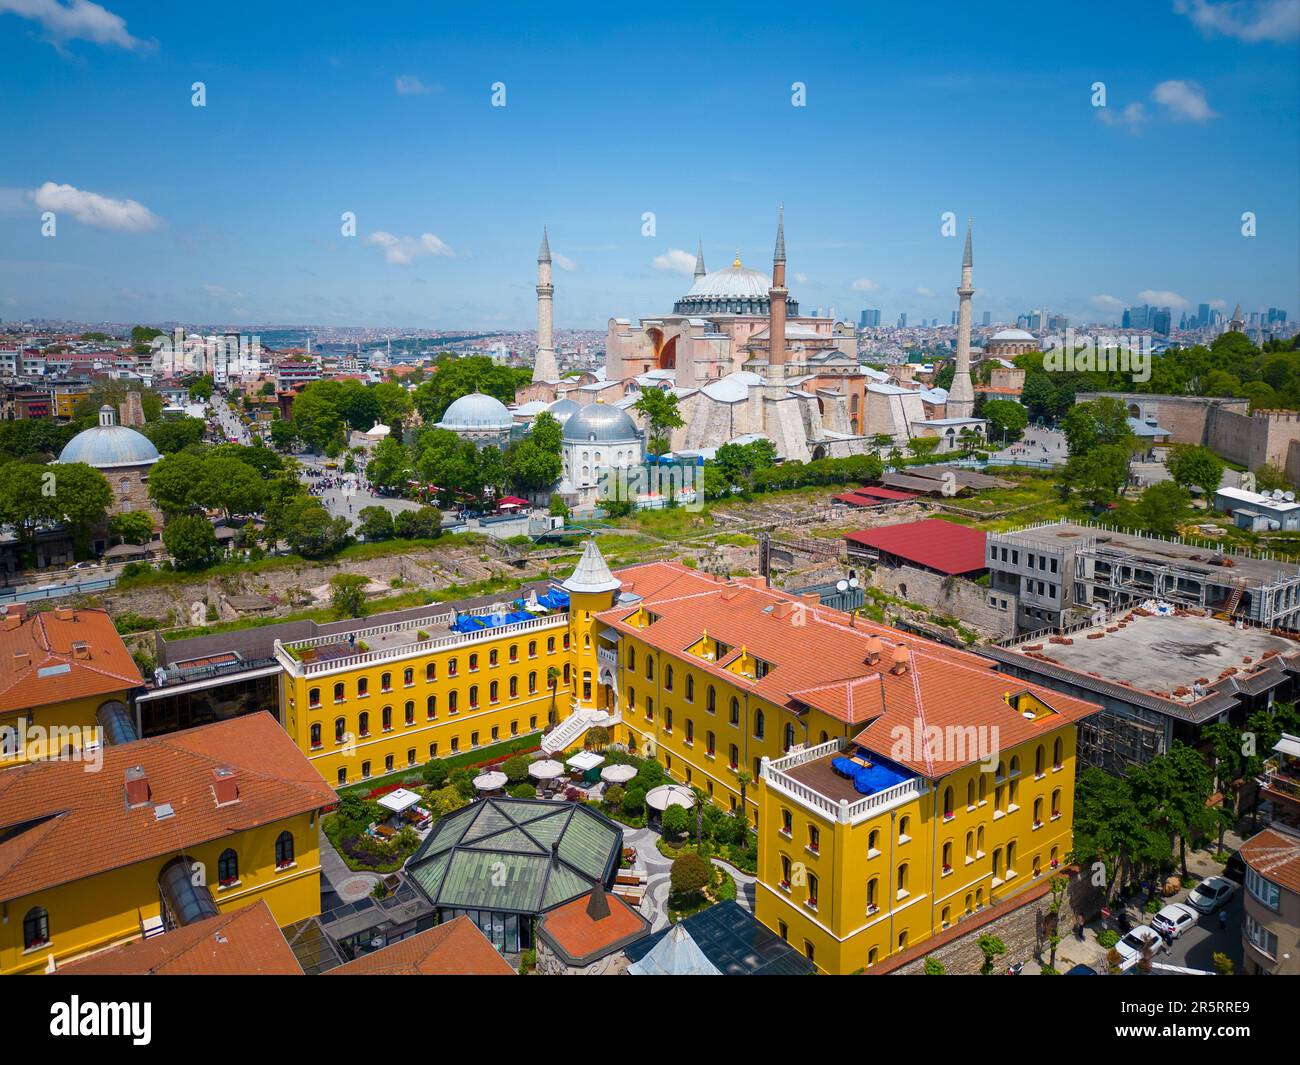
1223,920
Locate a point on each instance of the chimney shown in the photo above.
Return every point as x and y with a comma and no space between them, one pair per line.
225,786
902,658
65,613
873,649
783,609
14,614
22,659
81,650
137,787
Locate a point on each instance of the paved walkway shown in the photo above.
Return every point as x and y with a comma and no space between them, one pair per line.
339,884
657,870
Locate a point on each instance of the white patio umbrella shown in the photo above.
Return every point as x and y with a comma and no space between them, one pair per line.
547,769
490,781
667,795
618,774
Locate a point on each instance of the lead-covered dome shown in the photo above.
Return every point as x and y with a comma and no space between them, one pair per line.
602,424
107,446
1012,334
476,412
735,280
563,409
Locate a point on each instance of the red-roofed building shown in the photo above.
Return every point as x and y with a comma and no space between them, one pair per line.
933,544
456,948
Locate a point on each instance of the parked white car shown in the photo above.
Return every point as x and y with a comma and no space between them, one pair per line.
1174,920
1212,894
1131,946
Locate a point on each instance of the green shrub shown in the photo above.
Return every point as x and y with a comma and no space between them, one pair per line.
934,967
675,821
614,795
690,873
523,791
633,802
435,773
515,769
1108,938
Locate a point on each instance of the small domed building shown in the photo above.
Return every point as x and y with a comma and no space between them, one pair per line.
124,456
1008,343
598,438
481,419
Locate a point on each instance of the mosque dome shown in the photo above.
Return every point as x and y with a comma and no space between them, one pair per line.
477,412
600,423
735,281
563,409
107,445
1012,334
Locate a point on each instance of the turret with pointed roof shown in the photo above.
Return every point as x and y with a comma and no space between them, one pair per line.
699,260
591,574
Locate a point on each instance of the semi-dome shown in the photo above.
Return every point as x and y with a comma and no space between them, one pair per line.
1012,334
600,423
476,412
106,445
563,409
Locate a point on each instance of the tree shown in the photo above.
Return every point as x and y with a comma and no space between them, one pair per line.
175,434
376,523
515,768
310,530
1099,423
201,388
132,527
422,524
1110,827
1098,474
559,508
1162,508
675,822
435,772
81,495
394,403
534,463
690,874
175,481
390,464
1006,418
191,541
659,407
992,948
923,446
348,594
318,414
633,802
1268,478
284,436
230,485
1194,466
456,377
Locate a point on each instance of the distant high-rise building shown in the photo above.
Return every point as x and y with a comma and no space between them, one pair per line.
902,320
871,319
986,319
1137,318
1203,315
1160,321
954,318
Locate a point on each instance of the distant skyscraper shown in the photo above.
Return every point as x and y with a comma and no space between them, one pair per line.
985,320
1203,315
1160,321
902,320
871,319
954,318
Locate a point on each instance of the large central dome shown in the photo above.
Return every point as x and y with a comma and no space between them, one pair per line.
734,290
108,446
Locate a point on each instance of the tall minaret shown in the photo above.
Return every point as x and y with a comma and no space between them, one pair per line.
961,396
776,296
545,366
699,261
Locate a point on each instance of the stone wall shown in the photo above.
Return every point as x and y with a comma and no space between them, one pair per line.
1019,922
948,596
549,963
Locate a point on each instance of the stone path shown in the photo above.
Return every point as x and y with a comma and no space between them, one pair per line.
339,884
657,869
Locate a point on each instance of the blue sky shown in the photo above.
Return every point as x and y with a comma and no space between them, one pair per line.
230,213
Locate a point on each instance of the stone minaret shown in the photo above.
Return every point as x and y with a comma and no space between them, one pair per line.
545,366
699,261
776,296
961,396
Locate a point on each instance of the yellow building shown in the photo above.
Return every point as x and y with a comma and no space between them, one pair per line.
65,677
386,698
164,833
897,784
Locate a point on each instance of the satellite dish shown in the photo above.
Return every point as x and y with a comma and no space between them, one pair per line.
853,582
841,586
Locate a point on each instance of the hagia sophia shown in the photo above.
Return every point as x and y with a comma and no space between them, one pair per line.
744,363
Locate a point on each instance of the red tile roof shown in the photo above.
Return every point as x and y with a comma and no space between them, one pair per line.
60,823
244,942
456,948
583,938
1275,856
939,545
818,657
43,659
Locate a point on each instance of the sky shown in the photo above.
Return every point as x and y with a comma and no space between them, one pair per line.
233,212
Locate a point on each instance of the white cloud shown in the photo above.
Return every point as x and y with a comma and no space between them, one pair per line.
77,20
1219,305
220,292
801,278
1251,21
674,261
402,251
563,262
926,292
410,85
864,284
92,209
1130,118
1104,301
1183,99
1161,298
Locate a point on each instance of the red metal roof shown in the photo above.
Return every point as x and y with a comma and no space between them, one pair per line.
858,500
939,545
876,492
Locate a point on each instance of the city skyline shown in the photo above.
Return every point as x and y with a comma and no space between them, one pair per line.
231,212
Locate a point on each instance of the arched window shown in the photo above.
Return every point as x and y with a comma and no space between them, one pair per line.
363,723
758,724
493,657
947,857
947,803
550,645
514,652
711,699
514,687
970,845
668,677
1056,803
408,676
36,928
338,692
1058,750
649,668
473,696
386,682
1040,761
532,682
532,648
453,698
873,894
430,672
284,850
473,662
452,666
494,691
340,729
315,735
902,879
789,737
313,697
970,792
387,718
227,867
690,688
734,716
431,707
410,711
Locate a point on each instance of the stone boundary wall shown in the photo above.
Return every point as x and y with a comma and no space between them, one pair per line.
948,596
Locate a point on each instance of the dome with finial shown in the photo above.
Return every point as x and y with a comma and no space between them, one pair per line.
108,445
477,412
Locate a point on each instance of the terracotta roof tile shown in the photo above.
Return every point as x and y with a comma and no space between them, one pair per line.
584,939
456,948
60,823
31,657
1275,856
244,942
